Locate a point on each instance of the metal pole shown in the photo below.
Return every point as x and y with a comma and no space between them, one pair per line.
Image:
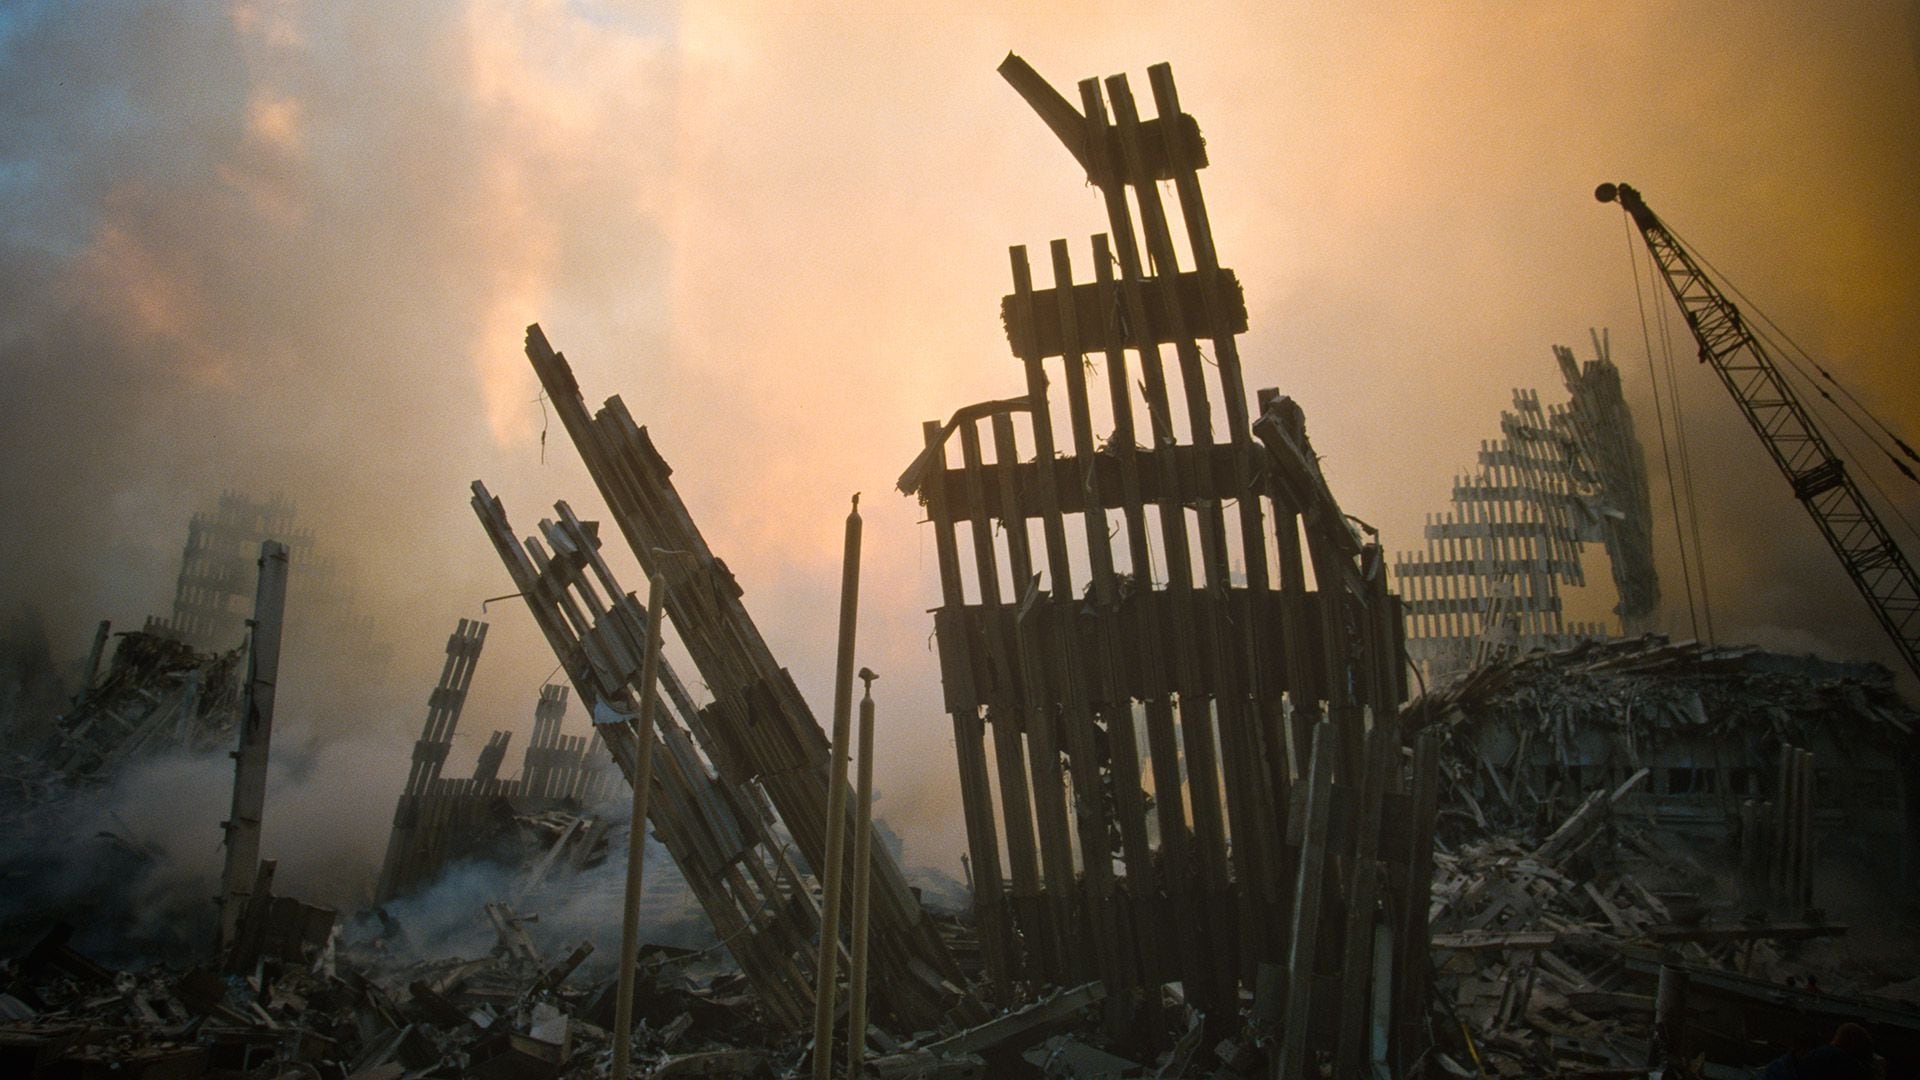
256,733
93,657
833,872
637,834
1668,1048
862,876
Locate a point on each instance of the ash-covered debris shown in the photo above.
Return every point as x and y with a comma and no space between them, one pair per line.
1626,816
82,829
356,1004
157,694
352,1005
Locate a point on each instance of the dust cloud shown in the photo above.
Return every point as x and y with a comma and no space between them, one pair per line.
292,247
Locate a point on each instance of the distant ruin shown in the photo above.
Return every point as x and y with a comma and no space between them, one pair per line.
1488,583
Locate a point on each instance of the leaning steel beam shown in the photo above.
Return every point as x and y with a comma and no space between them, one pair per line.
712,828
762,729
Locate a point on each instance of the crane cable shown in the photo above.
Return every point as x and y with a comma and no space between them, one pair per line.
1659,414
1686,457
1789,354
1686,460
1795,366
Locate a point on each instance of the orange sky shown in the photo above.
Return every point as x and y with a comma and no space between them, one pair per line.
292,247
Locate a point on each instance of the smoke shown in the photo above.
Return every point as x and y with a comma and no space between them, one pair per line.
568,907
134,866
289,247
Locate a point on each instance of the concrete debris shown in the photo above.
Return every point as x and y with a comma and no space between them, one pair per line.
158,693
349,1007
1602,851
1205,837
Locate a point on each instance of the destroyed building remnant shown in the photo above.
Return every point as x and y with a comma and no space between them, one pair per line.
213,595
754,756
717,833
1719,729
1597,801
1489,581
440,819
1157,726
242,827
157,692
214,590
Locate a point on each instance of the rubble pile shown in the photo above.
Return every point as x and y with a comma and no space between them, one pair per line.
358,1006
1559,907
157,692
1616,705
364,1009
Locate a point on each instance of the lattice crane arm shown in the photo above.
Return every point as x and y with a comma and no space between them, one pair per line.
1820,479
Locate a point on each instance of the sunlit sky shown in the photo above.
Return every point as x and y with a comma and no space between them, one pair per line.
292,247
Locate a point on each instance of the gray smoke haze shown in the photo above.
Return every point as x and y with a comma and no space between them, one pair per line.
289,247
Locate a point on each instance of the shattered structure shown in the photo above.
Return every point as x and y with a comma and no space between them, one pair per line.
156,693
1489,582
1639,821
1203,829
439,819
733,771
174,683
1720,732
214,591
1156,718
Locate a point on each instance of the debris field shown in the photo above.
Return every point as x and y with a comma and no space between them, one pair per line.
1217,824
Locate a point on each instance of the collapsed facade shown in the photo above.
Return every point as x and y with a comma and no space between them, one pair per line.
1151,750
1489,582
213,594
733,773
441,819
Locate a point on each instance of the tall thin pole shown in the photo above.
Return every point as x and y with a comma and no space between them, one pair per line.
832,874
862,875
637,835
93,657
256,733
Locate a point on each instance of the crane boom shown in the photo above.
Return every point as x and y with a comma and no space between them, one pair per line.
1820,480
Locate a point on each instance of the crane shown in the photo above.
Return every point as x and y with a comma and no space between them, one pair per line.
1820,480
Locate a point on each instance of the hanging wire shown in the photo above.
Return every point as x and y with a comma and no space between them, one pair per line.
1853,454
1789,355
1686,457
541,400
1659,413
1794,367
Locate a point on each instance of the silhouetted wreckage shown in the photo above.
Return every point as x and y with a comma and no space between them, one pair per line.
157,693
732,769
441,820
1206,834
1180,742
1489,583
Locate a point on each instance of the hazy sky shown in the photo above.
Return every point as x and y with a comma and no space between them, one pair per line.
293,247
